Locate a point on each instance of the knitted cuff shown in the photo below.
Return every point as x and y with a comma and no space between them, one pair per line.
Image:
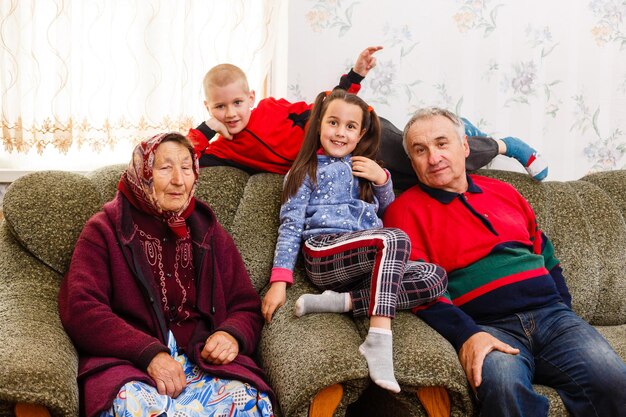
281,275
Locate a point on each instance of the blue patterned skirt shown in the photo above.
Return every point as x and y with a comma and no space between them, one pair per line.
205,396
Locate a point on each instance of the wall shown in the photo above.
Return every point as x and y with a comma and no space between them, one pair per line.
552,73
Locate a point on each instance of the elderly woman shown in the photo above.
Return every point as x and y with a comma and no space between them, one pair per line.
158,302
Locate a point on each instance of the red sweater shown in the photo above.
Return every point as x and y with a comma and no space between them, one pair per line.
487,239
109,304
272,138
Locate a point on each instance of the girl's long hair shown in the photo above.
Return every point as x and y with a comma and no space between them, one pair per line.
306,161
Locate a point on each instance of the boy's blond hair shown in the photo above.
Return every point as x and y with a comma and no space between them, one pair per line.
222,75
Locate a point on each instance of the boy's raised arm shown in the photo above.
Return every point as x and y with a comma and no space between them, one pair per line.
351,82
366,60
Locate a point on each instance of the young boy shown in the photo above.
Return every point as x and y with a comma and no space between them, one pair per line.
267,138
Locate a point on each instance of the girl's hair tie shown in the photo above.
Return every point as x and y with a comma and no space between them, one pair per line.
327,93
369,109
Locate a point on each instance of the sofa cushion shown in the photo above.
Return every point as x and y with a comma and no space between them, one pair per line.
46,212
255,228
106,179
605,233
222,188
39,363
614,184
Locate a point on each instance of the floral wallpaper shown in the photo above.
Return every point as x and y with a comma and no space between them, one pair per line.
552,73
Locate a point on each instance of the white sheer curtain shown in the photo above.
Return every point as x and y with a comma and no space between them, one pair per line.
83,80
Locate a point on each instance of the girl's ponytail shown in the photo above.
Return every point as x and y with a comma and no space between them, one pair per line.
368,145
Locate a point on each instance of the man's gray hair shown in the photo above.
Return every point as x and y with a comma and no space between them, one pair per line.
427,113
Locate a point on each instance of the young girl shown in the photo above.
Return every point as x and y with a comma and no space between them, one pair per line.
333,198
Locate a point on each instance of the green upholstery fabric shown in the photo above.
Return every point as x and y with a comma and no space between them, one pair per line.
222,188
612,182
39,363
105,179
255,226
45,212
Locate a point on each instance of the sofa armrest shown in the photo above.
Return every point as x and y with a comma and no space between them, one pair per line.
303,355
39,363
423,358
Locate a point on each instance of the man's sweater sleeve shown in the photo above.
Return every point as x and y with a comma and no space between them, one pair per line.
554,267
448,320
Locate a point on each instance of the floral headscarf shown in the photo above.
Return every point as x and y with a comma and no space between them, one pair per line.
137,185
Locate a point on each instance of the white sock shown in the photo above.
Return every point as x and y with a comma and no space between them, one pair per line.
326,302
378,351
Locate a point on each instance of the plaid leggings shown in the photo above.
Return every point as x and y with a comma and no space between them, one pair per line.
373,265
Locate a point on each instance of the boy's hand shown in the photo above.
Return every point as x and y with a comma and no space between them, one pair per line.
366,61
274,299
363,167
219,127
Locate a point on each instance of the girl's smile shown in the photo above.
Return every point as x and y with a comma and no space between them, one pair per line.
340,129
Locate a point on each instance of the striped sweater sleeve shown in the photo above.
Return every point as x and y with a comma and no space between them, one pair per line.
448,320
543,246
554,267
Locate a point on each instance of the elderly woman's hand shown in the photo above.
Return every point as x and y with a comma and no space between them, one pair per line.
220,348
167,374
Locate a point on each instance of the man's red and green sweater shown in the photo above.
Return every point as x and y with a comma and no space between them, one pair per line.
498,260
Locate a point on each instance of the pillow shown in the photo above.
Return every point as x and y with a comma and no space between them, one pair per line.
46,212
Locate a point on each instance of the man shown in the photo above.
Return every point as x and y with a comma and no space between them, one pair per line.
507,311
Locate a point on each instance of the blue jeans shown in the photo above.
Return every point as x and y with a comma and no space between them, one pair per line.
557,349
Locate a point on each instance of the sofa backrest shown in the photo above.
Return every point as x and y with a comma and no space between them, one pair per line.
221,187
47,210
585,220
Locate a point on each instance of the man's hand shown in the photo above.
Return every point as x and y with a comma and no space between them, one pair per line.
366,61
220,348
366,168
219,127
167,374
274,299
473,352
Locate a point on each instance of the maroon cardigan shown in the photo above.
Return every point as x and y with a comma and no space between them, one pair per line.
109,304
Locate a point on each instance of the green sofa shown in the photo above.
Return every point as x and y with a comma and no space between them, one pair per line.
45,212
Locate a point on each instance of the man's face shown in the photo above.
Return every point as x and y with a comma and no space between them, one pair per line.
230,105
438,154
